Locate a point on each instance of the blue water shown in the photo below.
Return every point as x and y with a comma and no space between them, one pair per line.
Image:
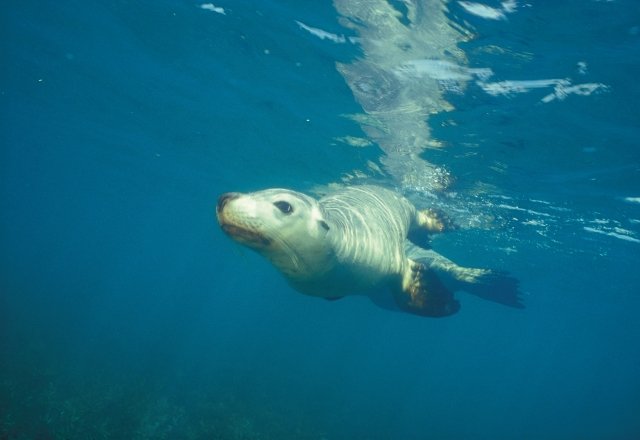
126,313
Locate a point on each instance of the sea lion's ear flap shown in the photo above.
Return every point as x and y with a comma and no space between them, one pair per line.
316,214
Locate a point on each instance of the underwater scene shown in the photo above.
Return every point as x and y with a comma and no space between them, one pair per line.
138,138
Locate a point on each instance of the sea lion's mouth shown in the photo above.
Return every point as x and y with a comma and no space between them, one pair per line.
246,236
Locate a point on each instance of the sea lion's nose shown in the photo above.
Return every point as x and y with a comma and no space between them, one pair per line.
224,199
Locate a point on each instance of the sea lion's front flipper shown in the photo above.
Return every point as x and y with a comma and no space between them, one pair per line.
434,220
424,294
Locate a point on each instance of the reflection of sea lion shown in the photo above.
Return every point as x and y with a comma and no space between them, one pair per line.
353,241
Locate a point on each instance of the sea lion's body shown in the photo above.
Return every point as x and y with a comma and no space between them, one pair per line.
366,238
352,241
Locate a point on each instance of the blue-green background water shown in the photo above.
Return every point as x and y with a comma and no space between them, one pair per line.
126,313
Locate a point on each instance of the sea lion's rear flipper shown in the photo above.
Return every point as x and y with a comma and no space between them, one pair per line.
491,285
424,294
441,264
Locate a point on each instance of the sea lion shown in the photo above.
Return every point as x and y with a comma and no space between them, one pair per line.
352,241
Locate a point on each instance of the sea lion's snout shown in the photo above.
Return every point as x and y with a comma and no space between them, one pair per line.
238,224
224,199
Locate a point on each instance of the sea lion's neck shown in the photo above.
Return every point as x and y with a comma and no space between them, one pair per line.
313,260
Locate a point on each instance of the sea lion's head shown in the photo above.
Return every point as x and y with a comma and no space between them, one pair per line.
285,226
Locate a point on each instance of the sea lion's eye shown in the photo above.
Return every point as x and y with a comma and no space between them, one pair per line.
283,206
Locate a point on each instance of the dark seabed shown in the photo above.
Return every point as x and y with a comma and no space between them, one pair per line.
125,313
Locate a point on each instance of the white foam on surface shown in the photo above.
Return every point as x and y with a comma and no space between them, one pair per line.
488,12
322,34
528,211
561,88
213,8
619,233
